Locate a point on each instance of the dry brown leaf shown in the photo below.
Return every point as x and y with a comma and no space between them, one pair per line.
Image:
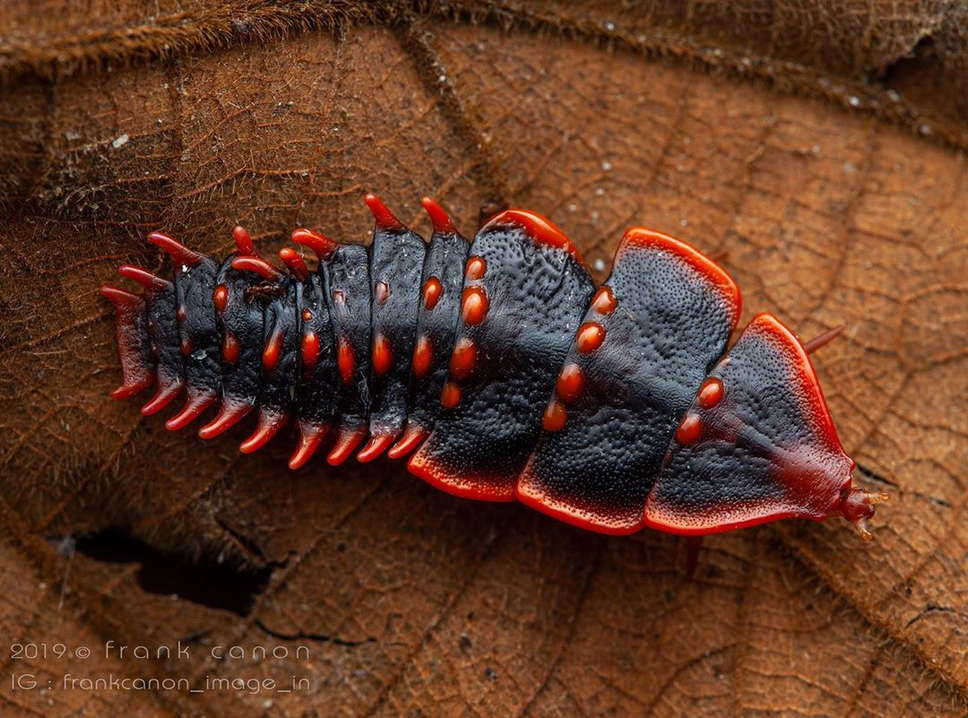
407,600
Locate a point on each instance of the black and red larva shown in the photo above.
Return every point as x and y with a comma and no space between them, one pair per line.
503,371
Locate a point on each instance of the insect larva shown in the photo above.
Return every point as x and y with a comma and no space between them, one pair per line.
503,371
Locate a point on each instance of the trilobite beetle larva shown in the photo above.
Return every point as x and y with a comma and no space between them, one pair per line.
502,371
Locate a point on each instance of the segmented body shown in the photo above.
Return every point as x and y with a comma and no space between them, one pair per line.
502,369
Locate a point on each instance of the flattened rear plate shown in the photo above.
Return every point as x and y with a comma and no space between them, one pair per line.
766,450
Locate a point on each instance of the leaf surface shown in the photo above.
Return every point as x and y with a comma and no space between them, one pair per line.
407,600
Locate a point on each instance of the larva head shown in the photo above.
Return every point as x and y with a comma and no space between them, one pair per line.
757,445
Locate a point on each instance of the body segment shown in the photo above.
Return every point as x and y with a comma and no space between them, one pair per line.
522,300
659,323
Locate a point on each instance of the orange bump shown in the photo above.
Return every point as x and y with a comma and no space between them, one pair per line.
411,439
269,424
175,249
310,350
376,446
382,292
186,346
474,305
257,266
127,390
145,278
710,393
450,395
161,399
323,246
310,436
272,351
604,301
119,297
181,314
220,297
423,357
438,216
347,442
382,354
554,417
463,359
230,348
570,383
295,262
432,290
243,241
590,337
381,214
229,414
689,430
476,266
193,408
345,361
307,315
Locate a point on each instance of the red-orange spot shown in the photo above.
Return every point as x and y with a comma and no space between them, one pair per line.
604,301
310,350
450,395
382,354
307,315
475,305
710,393
382,292
272,351
555,417
221,297
230,348
180,313
186,346
345,361
423,357
590,337
463,359
570,383
432,289
476,266
689,430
